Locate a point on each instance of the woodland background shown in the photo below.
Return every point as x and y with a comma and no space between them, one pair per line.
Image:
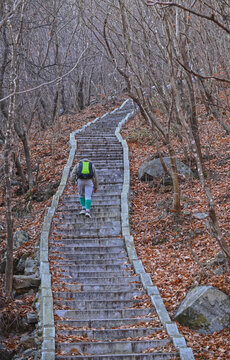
64,62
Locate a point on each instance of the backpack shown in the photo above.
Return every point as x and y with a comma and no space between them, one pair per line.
85,170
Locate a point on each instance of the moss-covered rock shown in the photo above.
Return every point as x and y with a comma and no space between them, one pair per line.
205,309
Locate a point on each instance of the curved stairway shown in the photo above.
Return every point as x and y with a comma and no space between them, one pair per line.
101,309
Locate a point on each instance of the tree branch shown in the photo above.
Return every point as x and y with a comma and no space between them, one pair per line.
58,79
11,12
207,17
202,76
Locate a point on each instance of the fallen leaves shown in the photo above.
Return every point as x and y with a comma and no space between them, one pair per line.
167,247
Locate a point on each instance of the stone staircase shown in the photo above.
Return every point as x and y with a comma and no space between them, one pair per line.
101,309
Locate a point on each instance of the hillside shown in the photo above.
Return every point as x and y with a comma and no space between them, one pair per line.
49,153
177,254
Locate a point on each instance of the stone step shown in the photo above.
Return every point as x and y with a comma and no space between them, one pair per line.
77,228
99,144
151,356
115,180
120,280
80,228
99,195
96,224
105,323
110,186
96,135
85,140
114,347
81,237
102,210
72,218
102,314
97,201
101,155
95,274
84,258
79,258
112,334
81,249
96,268
102,304
87,232
84,221
88,242
105,172
98,287
91,264
103,295
85,143
101,214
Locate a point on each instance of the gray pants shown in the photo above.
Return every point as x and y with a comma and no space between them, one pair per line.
85,189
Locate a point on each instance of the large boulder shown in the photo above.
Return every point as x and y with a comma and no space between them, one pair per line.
154,169
24,282
205,309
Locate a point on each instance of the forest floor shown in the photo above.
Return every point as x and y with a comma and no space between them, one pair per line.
177,254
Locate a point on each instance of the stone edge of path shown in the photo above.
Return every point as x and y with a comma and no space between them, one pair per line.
179,342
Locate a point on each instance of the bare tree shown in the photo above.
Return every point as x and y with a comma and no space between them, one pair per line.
156,51
8,148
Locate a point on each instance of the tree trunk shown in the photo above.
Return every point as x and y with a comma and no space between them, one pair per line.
20,171
28,162
176,185
9,256
80,95
23,137
212,207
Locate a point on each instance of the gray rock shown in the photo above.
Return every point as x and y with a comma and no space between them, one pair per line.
32,318
29,352
200,216
23,281
20,238
30,267
21,265
205,309
220,259
153,169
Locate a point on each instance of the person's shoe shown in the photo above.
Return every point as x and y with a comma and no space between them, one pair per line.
82,212
87,213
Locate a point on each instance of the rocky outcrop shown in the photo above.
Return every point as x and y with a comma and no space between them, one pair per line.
154,169
205,309
25,282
